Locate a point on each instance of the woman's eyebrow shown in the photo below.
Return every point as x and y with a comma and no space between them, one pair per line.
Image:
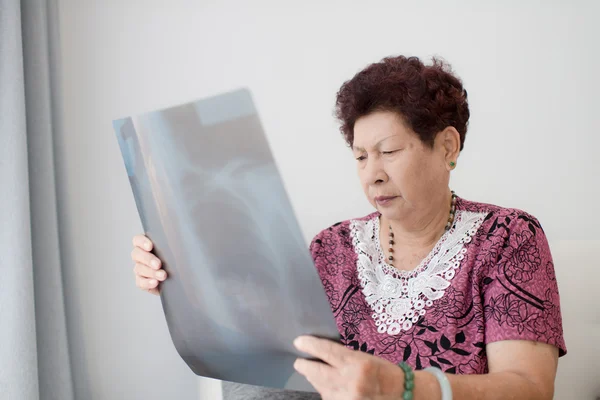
377,145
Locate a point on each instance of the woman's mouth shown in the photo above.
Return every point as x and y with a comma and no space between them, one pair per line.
384,200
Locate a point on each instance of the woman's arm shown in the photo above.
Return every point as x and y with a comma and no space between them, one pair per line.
518,369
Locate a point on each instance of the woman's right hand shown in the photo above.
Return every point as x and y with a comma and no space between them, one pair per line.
148,268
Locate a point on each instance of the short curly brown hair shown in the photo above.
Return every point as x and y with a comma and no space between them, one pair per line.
429,98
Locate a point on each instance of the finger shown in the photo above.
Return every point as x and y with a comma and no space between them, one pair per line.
310,368
145,283
326,350
322,376
155,291
142,242
145,271
143,257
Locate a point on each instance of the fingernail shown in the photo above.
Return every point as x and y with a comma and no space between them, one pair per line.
154,264
153,283
147,245
160,274
298,341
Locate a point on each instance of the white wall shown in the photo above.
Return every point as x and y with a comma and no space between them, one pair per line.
530,70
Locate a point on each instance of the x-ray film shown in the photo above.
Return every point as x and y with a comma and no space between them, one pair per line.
242,284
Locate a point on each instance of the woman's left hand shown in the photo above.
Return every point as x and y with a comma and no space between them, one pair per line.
348,374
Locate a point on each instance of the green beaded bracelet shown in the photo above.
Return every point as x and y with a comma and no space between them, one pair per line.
409,381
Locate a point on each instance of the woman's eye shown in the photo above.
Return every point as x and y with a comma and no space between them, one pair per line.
389,152
360,158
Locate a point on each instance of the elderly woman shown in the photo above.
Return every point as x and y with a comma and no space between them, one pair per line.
435,296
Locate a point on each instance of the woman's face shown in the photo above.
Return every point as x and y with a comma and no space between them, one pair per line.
400,175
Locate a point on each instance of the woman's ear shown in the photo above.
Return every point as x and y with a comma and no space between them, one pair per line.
451,146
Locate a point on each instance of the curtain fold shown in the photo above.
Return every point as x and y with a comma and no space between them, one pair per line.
34,357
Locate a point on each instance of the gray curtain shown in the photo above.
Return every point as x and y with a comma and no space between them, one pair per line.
34,358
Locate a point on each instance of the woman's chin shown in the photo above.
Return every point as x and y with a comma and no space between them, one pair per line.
389,214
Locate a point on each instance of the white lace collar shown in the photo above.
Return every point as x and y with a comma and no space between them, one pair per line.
399,298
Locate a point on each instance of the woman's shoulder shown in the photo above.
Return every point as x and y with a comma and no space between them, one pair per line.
498,216
506,234
342,228
338,236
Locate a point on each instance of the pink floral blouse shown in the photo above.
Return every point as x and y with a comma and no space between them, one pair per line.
489,278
